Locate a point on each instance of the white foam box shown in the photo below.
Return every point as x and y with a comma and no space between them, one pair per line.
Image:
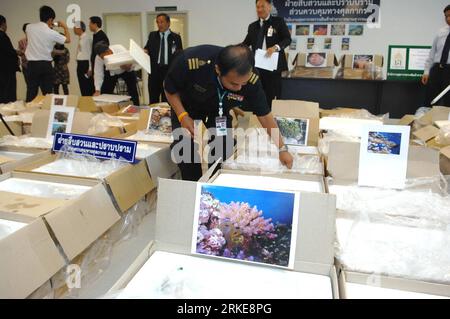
48,212
314,248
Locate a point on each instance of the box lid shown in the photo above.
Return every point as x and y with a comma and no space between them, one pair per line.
426,133
343,162
81,123
83,220
316,229
29,259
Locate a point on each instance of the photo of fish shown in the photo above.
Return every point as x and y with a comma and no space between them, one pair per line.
384,143
246,225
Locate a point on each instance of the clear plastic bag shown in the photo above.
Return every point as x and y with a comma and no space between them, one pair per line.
103,122
334,136
12,107
26,141
443,137
395,233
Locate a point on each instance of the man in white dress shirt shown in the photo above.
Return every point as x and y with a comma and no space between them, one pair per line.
41,41
84,52
437,70
105,81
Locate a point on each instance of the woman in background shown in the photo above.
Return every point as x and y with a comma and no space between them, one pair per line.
61,58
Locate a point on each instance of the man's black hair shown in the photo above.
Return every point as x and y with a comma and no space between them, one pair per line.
80,25
46,13
165,15
2,20
24,27
101,48
97,21
268,1
447,8
235,57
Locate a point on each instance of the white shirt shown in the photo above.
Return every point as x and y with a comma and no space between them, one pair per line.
437,49
41,41
166,55
84,49
99,67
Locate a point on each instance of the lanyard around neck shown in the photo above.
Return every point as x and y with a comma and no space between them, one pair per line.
221,97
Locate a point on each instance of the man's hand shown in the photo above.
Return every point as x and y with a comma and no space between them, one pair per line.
286,159
425,79
238,112
188,123
126,67
89,73
146,51
271,51
97,93
62,24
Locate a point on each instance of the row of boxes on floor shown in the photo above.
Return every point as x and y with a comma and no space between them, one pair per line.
54,208
352,241
347,67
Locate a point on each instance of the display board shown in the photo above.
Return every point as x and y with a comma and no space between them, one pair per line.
406,62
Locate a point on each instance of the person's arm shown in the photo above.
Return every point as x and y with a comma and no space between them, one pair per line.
430,61
175,82
90,48
63,25
7,47
99,75
147,45
248,39
268,122
285,39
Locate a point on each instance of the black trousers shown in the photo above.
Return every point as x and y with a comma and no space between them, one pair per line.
439,79
271,82
109,83
8,87
86,84
65,89
40,75
185,151
155,84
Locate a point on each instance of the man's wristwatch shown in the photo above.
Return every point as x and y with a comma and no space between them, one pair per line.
284,148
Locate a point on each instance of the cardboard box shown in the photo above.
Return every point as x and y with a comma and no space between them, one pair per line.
30,255
316,229
445,160
426,133
8,162
127,185
346,126
343,162
348,72
302,71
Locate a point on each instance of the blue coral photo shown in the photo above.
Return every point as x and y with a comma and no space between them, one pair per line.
384,143
248,225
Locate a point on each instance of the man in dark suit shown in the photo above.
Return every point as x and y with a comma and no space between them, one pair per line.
271,34
162,46
95,25
9,65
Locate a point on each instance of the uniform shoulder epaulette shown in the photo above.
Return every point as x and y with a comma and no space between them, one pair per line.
196,63
254,78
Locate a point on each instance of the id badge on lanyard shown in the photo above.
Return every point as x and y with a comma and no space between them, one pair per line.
221,121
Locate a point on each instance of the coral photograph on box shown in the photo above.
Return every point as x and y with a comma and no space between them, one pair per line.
384,143
246,225
160,121
293,131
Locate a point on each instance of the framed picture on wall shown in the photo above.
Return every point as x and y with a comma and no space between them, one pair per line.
321,29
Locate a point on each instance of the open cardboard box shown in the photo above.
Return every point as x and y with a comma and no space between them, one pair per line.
445,160
302,71
316,229
81,122
56,230
12,157
127,185
349,73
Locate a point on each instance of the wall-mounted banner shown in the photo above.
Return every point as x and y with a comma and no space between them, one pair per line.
102,148
407,62
327,11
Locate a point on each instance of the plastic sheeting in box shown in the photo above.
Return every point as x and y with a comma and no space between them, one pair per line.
8,227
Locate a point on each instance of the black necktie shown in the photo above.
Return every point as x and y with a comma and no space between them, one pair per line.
260,38
162,52
445,51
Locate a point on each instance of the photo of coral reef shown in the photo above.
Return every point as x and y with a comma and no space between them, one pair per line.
247,225
294,131
384,143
